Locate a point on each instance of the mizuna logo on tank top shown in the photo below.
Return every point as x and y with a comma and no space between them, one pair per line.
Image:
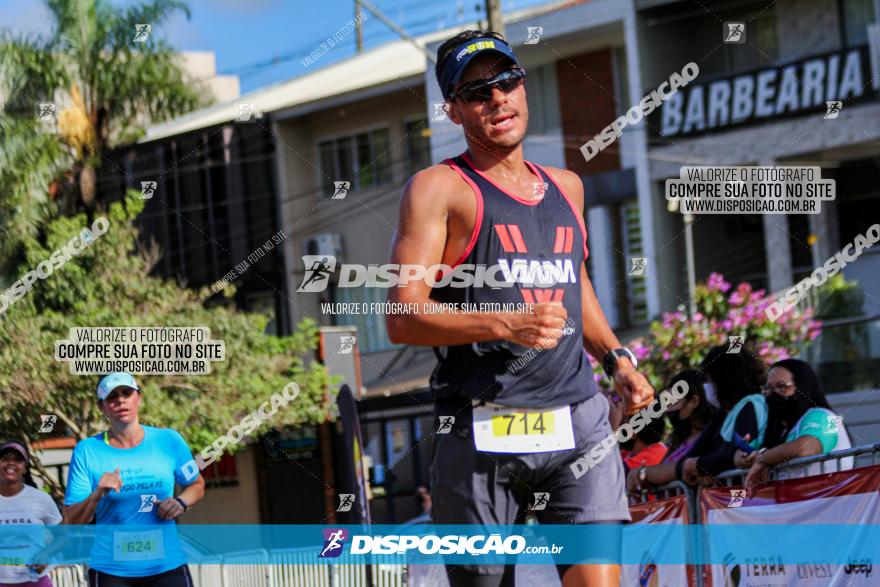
537,274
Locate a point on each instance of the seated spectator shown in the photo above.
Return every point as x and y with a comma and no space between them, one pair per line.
646,448
802,424
691,418
734,379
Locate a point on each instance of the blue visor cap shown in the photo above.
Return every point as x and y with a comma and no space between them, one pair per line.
458,61
110,382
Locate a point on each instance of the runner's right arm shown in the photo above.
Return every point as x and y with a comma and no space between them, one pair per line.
420,240
84,511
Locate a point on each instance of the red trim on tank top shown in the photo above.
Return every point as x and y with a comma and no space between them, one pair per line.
478,196
502,190
578,216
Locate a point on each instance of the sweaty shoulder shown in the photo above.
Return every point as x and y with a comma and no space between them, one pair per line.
570,183
439,182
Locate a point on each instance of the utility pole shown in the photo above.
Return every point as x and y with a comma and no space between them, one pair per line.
493,15
396,28
357,24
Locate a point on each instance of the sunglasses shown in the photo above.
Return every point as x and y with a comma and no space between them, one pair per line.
779,388
480,90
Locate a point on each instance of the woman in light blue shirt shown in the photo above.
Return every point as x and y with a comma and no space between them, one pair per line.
125,478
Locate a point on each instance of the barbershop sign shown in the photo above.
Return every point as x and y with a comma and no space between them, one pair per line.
767,93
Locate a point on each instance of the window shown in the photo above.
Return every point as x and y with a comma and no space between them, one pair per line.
543,103
856,15
363,159
372,336
636,288
418,145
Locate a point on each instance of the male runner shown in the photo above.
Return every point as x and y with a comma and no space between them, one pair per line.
481,208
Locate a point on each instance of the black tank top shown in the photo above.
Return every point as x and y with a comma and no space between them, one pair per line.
523,236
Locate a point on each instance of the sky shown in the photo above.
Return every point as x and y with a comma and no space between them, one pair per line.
263,41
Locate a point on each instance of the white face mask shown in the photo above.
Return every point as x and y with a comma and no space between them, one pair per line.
711,394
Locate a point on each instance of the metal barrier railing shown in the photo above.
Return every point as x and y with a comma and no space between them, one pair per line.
69,576
842,460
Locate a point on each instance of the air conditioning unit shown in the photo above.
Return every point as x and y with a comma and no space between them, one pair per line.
326,243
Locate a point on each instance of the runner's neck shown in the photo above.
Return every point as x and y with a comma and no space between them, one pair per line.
11,489
509,168
128,437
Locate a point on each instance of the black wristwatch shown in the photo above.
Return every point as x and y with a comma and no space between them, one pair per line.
609,361
182,504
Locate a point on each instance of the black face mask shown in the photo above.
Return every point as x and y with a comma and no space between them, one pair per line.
784,408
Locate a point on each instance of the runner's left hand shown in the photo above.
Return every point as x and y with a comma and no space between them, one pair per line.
169,509
632,385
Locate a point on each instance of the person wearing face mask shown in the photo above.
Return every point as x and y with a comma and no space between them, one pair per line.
22,503
695,422
802,424
735,381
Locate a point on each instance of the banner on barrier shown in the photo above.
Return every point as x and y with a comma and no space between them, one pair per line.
847,497
673,512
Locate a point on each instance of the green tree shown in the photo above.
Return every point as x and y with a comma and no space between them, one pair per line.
106,86
109,284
